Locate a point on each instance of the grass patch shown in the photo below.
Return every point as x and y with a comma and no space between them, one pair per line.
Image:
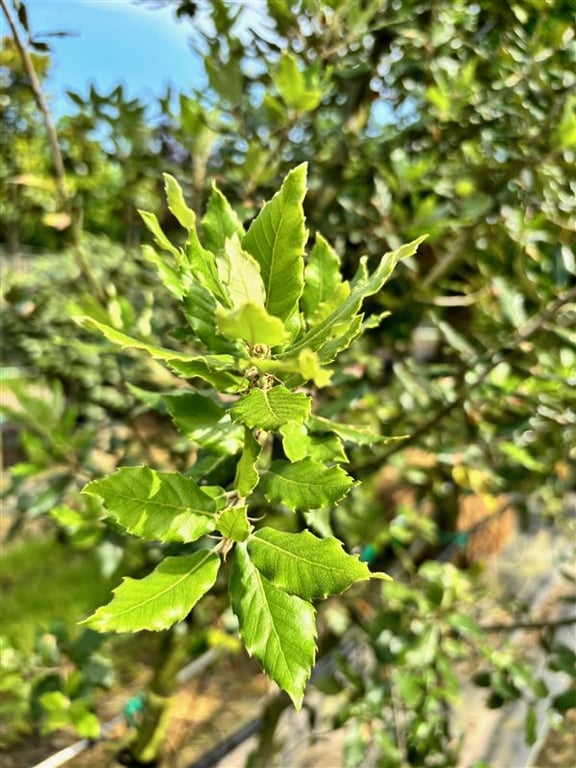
43,581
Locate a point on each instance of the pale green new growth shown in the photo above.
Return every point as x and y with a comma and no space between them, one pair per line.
233,523
246,478
276,239
262,321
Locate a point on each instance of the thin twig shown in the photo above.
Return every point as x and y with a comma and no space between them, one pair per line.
493,357
55,151
565,622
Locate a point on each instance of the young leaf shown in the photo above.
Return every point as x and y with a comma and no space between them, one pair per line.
277,629
223,381
220,222
158,506
345,314
322,276
164,597
293,88
271,409
213,362
182,213
340,341
357,435
169,276
304,565
204,422
192,411
247,476
239,273
252,323
295,440
305,484
276,239
305,367
233,523
200,311
298,444
203,267
154,228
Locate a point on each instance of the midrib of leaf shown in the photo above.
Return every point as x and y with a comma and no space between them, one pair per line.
273,250
166,590
164,505
265,602
368,287
271,411
351,304
306,483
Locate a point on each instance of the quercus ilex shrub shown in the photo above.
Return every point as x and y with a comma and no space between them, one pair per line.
264,324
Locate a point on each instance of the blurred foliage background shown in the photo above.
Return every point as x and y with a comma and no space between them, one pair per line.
443,117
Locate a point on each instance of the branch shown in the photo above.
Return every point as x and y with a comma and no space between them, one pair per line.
495,356
63,198
565,622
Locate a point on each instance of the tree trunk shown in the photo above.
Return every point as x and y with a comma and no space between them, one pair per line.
146,747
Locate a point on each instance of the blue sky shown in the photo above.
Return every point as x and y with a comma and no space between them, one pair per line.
115,41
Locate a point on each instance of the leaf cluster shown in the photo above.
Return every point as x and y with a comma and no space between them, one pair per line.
263,325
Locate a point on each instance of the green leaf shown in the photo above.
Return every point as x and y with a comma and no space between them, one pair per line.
295,440
233,523
54,701
203,267
155,229
565,700
198,369
220,222
329,305
305,367
169,276
200,311
158,506
345,315
164,597
213,362
239,273
531,725
522,456
192,412
277,629
247,477
271,409
276,239
304,565
204,422
322,277
253,324
298,444
340,341
356,435
293,88
305,484
464,625
85,722
225,78
182,213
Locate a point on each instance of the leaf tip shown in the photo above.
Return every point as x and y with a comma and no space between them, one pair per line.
381,576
